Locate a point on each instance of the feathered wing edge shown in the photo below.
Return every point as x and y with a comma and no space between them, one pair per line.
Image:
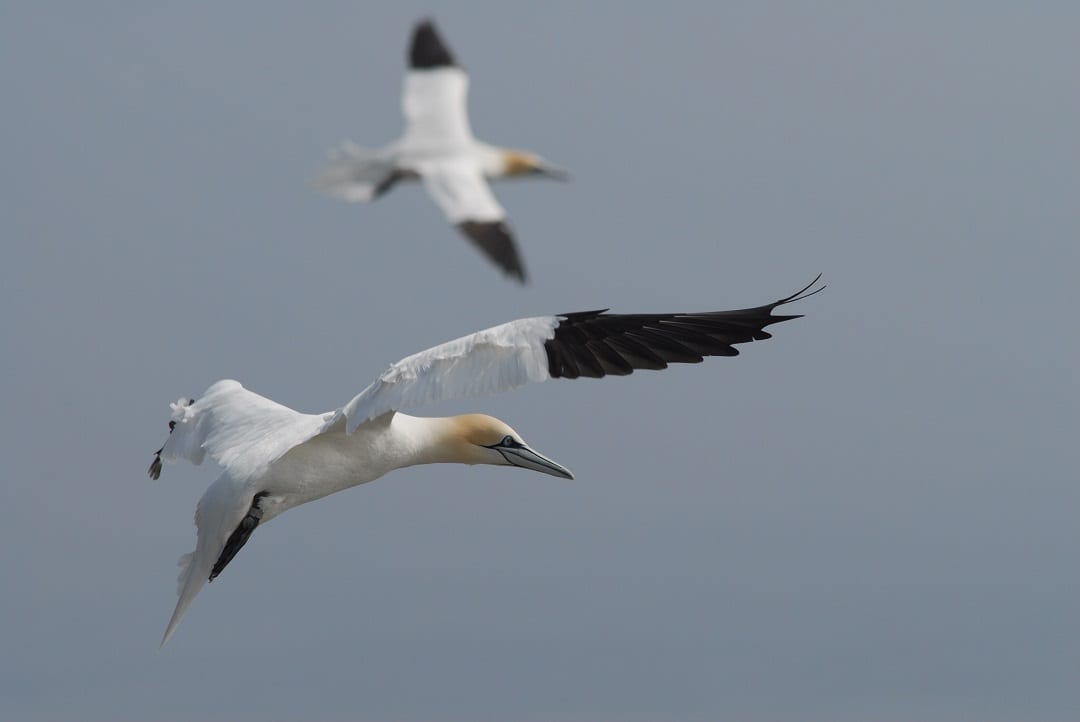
496,359
594,344
244,433
536,349
240,430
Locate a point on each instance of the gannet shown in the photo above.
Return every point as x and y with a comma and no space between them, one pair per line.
438,148
274,458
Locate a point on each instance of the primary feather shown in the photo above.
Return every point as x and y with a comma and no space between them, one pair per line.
275,458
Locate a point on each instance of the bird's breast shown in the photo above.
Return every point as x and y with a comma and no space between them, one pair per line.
330,463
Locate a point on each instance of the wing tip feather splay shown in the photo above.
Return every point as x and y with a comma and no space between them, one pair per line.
802,294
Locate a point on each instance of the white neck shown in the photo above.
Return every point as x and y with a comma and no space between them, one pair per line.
491,158
331,462
432,440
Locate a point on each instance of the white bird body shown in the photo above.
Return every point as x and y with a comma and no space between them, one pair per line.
334,460
438,147
327,461
275,458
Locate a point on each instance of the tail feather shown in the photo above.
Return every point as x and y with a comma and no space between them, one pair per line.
184,562
190,582
356,174
219,511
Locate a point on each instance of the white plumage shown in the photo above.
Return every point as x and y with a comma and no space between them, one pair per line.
434,103
248,434
438,147
275,458
498,359
458,187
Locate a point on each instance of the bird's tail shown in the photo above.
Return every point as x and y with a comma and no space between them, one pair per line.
355,174
189,584
219,511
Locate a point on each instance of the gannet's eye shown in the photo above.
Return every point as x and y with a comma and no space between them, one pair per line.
507,442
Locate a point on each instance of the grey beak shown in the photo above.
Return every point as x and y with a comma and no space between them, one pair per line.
526,458
553,172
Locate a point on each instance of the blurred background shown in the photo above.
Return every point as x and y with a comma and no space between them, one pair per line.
870,517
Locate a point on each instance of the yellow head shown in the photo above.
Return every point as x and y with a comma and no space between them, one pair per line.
482,439
519,163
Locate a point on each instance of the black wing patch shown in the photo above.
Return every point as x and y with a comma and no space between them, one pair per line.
239,536
428,50
596,344
155,466
496,241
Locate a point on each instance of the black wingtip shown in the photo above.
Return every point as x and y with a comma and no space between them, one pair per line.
595,344
802,293
496,241
155,466
428,50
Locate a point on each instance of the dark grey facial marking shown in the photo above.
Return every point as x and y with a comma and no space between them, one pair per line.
507,442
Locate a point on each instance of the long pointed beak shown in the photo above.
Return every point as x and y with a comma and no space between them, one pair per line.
554,172
526,458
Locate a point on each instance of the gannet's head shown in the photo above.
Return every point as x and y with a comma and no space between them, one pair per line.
521,162
482,439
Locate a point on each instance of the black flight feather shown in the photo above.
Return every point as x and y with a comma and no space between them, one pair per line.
596,343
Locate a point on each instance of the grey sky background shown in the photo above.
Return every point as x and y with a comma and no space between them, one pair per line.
870,517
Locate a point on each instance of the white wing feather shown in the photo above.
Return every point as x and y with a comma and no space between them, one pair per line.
459,188
434,104
241,430
244,433
487,362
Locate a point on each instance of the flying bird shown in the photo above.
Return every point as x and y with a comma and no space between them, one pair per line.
438,148
274,458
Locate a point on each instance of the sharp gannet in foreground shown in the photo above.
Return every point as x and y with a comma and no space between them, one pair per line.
438,148
275,458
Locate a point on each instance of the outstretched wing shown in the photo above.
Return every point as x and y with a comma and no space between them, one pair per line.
591,344
434,96
244,433
459,188
240,430
487,362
